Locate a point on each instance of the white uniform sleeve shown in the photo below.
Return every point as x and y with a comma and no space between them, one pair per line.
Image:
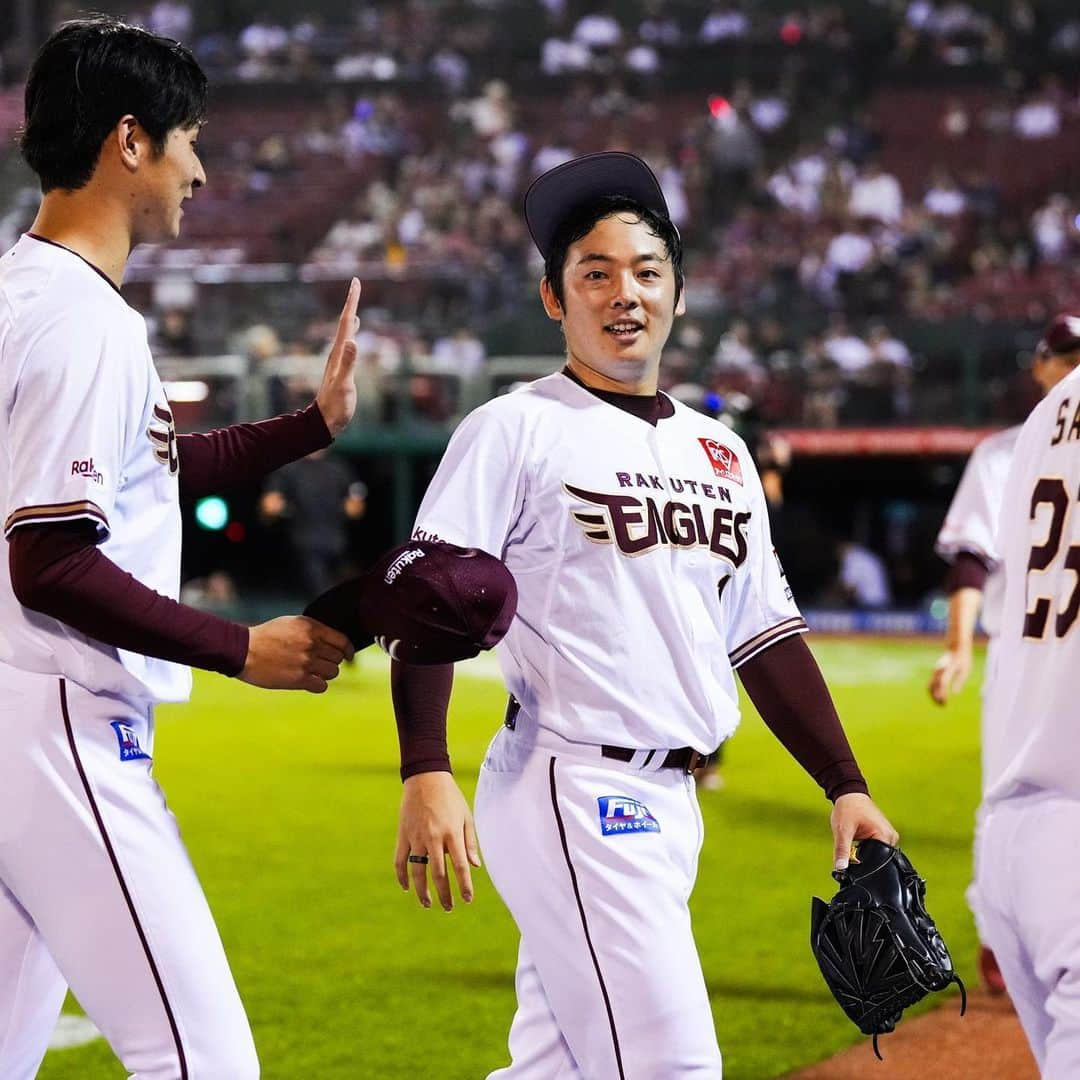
68,410
762,610
478,491
971,522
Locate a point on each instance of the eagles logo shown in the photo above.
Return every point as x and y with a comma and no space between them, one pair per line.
162,436
637,525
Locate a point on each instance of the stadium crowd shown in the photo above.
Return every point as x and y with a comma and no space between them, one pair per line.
806,251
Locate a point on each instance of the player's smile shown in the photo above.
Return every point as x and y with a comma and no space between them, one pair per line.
625,331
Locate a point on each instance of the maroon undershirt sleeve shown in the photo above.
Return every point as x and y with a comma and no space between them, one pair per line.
244,453
967,571
58,570
786,686
421,696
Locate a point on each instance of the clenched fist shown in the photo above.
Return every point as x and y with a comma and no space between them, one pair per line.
294,653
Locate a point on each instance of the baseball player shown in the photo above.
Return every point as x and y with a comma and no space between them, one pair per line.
96,889
967,542
637,532
1027,876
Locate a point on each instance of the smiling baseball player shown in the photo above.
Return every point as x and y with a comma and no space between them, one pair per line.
1028,877
96,888
637,532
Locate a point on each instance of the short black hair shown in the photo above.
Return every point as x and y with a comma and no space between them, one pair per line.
89,74
581,221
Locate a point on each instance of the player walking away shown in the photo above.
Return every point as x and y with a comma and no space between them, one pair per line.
1027,873
96,889
637,532
974,580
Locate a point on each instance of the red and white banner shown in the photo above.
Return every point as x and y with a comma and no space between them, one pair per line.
896,442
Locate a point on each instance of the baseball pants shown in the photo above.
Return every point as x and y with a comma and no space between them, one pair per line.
596,860
97,893
1029,892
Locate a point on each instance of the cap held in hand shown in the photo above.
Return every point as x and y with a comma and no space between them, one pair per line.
424,603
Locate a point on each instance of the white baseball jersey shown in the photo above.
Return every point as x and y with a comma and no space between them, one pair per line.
643,560
971,523
85,432
1032,713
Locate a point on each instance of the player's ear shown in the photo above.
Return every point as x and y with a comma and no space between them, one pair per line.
680,304
550,300
128,137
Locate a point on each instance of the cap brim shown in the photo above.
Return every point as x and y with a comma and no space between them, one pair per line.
340,607
552,196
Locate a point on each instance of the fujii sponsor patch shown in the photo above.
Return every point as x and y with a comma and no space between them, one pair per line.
130,750
620,814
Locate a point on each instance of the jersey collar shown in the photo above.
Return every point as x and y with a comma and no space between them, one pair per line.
652,408
63,247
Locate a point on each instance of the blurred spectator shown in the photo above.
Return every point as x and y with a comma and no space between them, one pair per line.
944,197
863,579
876,194
724,22
262,45
314,499
171,19
1054,228
174,336
1038,117
462,353
845,348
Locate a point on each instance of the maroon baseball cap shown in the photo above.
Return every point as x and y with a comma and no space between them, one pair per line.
424,603
554,194
1061,336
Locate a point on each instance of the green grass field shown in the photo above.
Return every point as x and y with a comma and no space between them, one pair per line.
289,807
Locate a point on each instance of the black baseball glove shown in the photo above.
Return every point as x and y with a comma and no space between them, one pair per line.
875,942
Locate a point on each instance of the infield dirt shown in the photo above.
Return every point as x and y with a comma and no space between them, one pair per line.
985,1044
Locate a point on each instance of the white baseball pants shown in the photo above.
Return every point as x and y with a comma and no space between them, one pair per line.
97,893
596,860
1029,893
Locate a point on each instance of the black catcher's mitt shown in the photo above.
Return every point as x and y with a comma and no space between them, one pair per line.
875,942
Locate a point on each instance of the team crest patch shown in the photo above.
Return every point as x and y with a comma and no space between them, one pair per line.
724,462
620,814
130,750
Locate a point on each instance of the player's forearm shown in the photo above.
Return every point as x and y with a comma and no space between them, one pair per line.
786,686
58,570
964,607
421,696
244,453
964,583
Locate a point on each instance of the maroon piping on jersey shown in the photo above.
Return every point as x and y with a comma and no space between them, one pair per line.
584,921
63,247
120,879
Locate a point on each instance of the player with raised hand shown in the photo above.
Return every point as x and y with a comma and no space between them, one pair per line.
96,888
638,535
974,583
1027,877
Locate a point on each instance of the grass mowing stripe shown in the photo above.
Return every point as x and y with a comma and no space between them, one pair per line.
288,803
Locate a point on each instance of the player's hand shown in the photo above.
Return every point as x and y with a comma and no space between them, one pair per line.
950,673
336,397
855,817
294,653
436,822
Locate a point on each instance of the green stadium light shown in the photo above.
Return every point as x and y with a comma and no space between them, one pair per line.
212,513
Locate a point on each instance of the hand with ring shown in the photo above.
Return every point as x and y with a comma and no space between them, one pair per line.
436,830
